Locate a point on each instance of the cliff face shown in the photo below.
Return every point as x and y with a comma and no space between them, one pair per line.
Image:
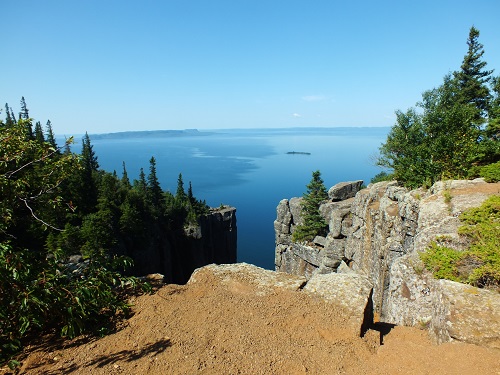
177,254
377,232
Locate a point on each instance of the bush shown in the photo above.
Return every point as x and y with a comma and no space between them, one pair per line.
382,176
39,293
479,264
491,172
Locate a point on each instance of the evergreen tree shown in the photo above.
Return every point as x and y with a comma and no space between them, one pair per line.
190,195
313,223
12,116
154,189
473,78
85,182
180,194
39,132
49,134
88,155
125,180
24,114
493,127
9,120
141,184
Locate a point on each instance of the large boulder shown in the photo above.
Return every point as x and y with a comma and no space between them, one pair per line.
349,290
344,190
349,293
466,313
248,277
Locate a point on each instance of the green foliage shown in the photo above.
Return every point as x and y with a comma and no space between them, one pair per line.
491,172
479,264
382,176
313,223
441,261
56,204
446,137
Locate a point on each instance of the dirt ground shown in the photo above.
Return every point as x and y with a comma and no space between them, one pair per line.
208,328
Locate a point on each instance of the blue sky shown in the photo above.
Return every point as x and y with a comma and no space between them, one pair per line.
116,65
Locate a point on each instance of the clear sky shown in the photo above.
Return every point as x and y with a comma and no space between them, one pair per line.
117,65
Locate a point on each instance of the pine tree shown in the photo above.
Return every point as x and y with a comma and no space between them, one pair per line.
49,134
88,155
180,194
190,195
313,223
39,132
473,78
154,189
125,180
141,184
24,115
9,119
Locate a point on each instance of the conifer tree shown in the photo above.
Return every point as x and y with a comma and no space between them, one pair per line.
39,132
24,115
49,134
88,155
473,78
180,194
154,189
313,223
125,180
141,184
9,119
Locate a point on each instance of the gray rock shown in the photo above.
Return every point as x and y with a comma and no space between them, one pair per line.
466,313
351,291
320,241
264,281
344,190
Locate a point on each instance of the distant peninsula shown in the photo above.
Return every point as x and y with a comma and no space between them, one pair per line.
298,153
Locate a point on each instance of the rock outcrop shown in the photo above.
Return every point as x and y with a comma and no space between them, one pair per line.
349,292
179,253
377,233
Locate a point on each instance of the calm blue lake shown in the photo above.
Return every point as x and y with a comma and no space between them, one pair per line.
249,169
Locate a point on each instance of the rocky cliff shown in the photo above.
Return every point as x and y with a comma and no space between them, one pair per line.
178,253
378,232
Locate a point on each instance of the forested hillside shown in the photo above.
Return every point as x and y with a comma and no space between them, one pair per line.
54,204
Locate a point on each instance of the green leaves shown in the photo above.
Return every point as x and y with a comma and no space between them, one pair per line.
444,137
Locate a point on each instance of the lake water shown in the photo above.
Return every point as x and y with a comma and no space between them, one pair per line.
249,169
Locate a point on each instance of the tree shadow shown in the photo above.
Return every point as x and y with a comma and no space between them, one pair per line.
131,355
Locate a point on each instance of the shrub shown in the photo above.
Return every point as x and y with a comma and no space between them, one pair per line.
491,172
479,264
382,176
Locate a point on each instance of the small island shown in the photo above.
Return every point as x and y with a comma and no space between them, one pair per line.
298,153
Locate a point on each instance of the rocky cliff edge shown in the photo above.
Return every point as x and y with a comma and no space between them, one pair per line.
378,232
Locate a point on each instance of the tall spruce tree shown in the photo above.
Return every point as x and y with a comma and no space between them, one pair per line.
155,193
313,223
49,134
39,132
473,78
9,119
125,180
24,115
